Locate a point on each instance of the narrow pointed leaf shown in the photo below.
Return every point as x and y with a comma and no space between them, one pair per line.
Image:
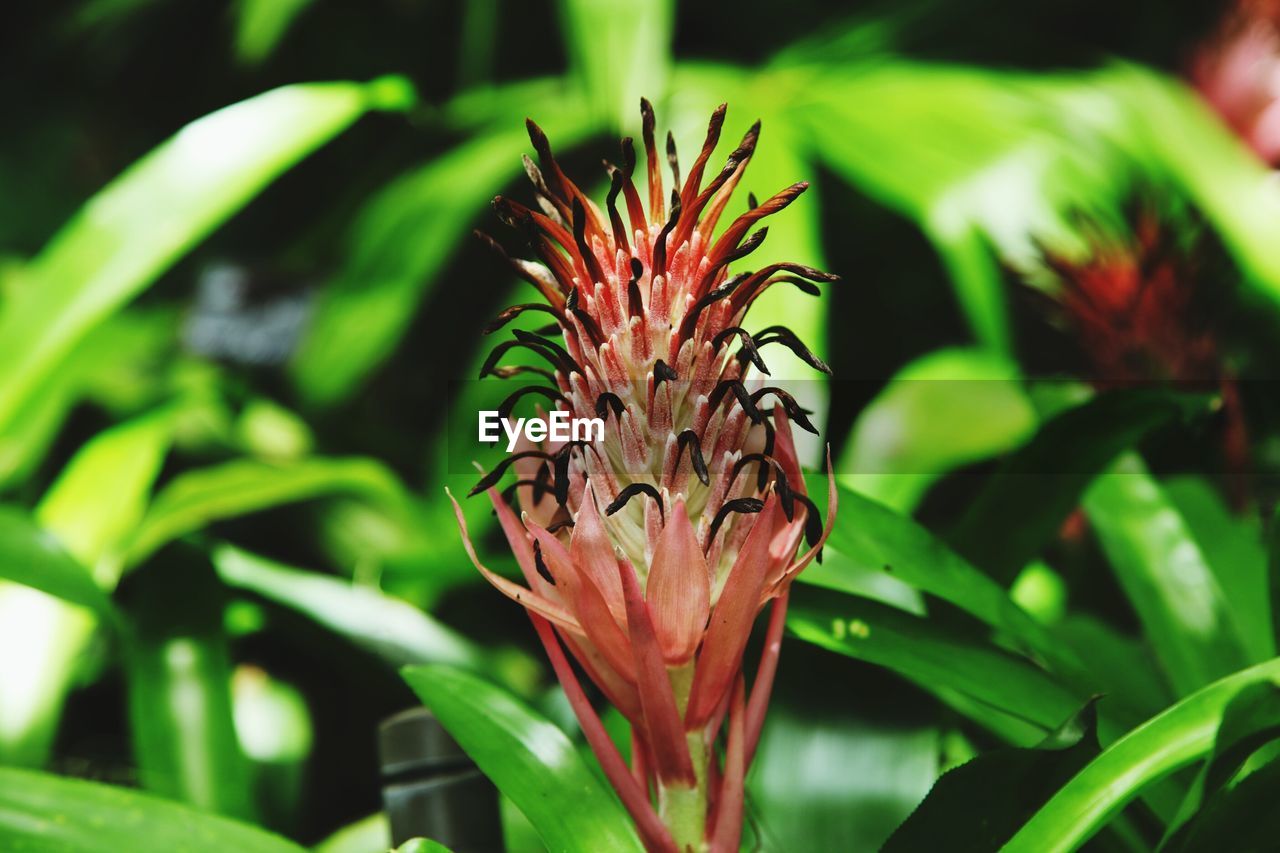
529,759
1178,736
40,811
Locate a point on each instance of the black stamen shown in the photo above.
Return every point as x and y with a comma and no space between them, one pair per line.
743,505
812,522
606,401
560,525
630,492
507,371
752,202
748,246
749,349
660,245
690,439
711,297
673,160
789,405
789,339
540,565
663,372
615,218
780,476
635,302
566,361
491,479
740,391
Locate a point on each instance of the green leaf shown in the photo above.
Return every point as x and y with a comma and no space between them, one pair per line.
836,769
1165,576
393,629
979,805
620,51
42,639
43,812
370,834
529,759
944,410
262,24
179,679
1175,738
422,845
940,660
402,239
1244,813
874,538
33,557
198,498
1250,721
160,207
1234,549
1024,504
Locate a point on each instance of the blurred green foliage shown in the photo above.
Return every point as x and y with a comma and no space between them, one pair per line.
1009,544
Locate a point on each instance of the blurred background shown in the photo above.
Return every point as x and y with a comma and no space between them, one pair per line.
240,314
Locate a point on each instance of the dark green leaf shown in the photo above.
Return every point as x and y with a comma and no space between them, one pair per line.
950,408
393,629
1180,735
1250,721
1245,813
164,204
43,812
978,806
1024,504
179,680
529,759
1233,546
875,538
1165,576
34,558
197,498
940,660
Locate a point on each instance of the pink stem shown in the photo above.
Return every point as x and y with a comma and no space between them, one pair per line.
762,687
728,829
652,831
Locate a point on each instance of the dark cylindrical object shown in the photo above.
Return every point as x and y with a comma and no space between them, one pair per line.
431,789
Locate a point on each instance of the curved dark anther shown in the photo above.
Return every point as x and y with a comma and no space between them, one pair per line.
708,299
491,479
630,492
505,407
609,400
690,439
790,340
560,525
580,238
740,391
747,247
561,461
663,372
812,522
509,314
503,348
752,201
539,484
789,405
583,316
540,564
615,219
635,303
564,360
785,493
742,505
750,351
673,160
660,244
627,147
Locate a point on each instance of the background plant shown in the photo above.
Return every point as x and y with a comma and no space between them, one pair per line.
193,516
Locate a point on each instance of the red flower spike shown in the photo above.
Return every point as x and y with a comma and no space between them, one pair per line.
649,553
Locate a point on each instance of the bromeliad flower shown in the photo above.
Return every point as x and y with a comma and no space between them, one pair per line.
649,554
